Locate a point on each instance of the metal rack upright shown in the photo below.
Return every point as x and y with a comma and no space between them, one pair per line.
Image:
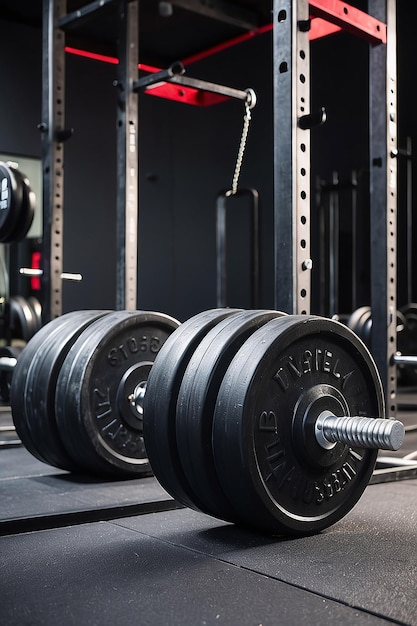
54,134
292,163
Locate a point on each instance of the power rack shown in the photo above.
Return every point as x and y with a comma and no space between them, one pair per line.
294,24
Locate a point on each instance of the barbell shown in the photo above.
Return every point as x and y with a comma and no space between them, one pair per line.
259,418
70,389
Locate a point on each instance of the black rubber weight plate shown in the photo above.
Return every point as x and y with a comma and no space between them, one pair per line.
26,212
10,352
196,403
33,406
36,307
100,426
161,400
275,474
23,324
20,374
41,389
407,343
11,193
364,326
357,319
365,331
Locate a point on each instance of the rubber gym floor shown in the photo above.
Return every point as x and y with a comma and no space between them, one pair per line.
75,550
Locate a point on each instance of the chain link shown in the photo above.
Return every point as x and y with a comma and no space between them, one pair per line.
249,104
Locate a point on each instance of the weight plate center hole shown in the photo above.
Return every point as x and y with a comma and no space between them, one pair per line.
131,394
313,403
137,397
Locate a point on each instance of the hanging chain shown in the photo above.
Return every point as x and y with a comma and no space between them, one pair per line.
249,104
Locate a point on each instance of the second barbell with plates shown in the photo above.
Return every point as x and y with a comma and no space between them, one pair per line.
259,418
72,390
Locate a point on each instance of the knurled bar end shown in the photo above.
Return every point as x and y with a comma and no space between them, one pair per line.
360,432
396,434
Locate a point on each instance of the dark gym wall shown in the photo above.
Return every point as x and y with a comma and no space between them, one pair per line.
20,112
90,184
407,127
186,157
20,100
204,144
339,82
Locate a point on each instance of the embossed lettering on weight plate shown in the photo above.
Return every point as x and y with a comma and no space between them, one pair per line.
103,410
281,470
132,345
112,428
335,482
316,360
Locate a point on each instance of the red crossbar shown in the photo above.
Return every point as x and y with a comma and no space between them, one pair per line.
350,19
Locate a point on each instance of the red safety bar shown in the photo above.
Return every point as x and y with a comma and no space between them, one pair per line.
320,28
350,19
186,95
